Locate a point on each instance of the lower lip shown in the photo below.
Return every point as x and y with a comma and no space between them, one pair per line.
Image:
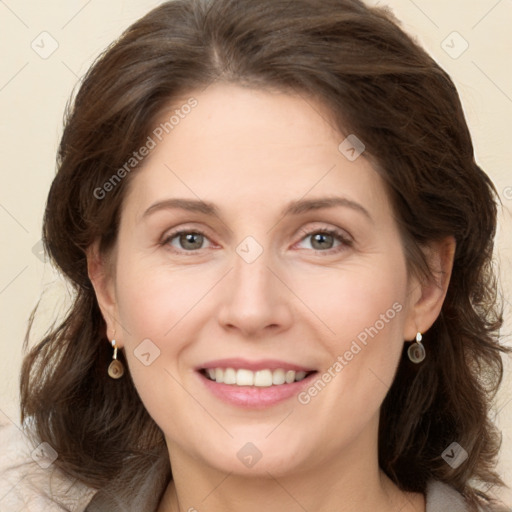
254,397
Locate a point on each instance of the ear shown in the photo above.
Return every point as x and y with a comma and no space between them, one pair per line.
427,296
101,273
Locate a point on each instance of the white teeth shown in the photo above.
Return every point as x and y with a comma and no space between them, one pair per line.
278,377
263,378
229,376
244,378
260,378
289,377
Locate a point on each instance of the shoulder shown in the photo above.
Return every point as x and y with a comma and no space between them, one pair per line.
29,479
440,497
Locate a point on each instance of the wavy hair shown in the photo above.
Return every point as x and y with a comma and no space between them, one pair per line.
378,83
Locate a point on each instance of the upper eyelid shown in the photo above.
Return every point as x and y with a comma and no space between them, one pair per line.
183,229
305,231
315,229
340,232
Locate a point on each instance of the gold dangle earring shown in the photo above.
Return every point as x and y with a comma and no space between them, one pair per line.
116,368
416,351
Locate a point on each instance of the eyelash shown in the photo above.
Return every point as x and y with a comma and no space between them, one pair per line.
344,240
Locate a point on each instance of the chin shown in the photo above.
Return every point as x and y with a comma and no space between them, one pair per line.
254,458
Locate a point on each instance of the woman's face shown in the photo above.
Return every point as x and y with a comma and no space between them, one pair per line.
251,240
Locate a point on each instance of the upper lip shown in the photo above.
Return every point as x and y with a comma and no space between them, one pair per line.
262,364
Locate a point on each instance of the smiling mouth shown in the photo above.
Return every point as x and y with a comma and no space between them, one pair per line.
259,378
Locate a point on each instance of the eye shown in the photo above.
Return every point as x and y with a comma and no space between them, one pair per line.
186,240
327,240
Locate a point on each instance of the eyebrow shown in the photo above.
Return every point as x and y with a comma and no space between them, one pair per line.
293,208
191,205
306,205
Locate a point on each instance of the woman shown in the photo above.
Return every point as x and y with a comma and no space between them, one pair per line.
281,248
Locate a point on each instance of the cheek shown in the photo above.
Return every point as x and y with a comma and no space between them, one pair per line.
154,299
347,301
152,308
161,310
364,307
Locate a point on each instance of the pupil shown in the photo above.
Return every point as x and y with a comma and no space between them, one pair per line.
191,241
321,238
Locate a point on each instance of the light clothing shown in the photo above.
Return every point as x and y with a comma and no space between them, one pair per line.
29,483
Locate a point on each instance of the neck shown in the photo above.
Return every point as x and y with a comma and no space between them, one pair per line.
349,482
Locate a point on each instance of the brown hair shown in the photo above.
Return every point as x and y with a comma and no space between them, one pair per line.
378,84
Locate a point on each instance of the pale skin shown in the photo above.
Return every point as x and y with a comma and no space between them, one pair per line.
251,153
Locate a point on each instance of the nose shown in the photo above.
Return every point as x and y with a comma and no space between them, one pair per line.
256,302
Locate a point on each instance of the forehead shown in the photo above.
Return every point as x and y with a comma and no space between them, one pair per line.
247,146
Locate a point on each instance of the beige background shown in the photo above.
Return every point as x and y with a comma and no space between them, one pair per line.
35,85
